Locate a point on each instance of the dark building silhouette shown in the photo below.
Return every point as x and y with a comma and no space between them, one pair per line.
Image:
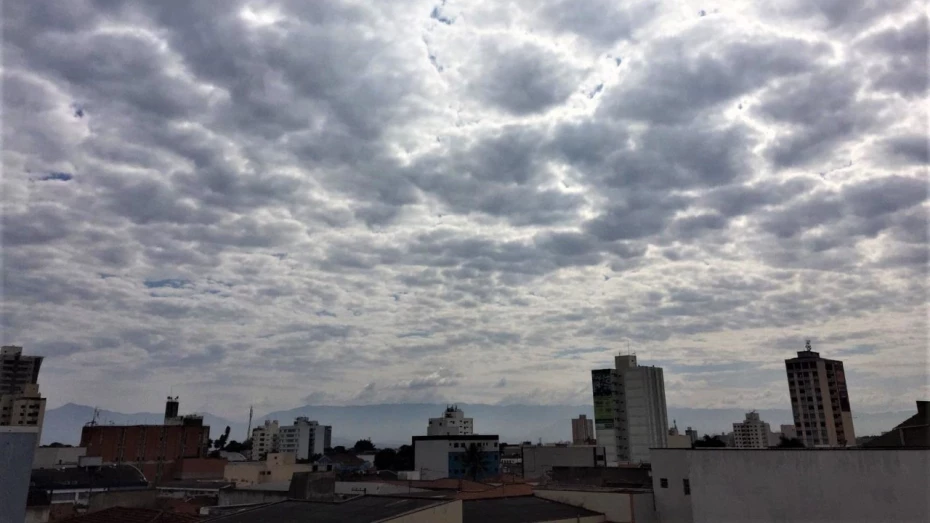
912,432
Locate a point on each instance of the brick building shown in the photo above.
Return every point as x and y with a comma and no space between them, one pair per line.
161,452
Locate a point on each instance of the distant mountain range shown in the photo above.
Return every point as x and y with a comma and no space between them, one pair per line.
394,424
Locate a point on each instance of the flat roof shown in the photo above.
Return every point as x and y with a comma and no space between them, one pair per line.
193,484
463,436
806,449
362,509
594,488
522,509
274,486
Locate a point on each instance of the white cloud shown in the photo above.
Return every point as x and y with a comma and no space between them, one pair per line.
367,196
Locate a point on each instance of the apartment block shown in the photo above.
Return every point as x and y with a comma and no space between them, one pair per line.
452,423
630,414
265,439
583,430
21,404
752,433
304,438
819,400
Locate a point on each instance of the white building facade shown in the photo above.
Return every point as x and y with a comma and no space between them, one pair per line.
812,485
264,439
452,423
304,438
437,457
752,433
630,415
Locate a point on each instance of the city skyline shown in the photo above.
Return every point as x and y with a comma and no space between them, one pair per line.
285,203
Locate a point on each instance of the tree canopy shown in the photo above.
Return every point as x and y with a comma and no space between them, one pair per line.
363,445
708,441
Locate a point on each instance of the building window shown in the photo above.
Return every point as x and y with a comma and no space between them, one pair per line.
663,482
687,485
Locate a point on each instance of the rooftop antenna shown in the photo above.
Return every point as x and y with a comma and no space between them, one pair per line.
807,346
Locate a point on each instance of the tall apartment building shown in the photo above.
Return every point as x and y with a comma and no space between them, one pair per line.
630,415
305,438
21,404
819,400
265,439
452,423
582,430
752,433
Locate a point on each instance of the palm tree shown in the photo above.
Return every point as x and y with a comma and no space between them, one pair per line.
472,461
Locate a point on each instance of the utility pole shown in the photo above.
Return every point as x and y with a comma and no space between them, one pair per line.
248,432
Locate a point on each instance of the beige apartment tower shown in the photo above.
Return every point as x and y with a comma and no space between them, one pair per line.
21,405
819,400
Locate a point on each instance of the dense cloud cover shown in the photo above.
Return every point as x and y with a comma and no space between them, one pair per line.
275,202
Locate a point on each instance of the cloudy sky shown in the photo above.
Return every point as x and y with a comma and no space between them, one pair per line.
279,203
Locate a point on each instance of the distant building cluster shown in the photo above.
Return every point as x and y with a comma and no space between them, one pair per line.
625,464
304,438
452,423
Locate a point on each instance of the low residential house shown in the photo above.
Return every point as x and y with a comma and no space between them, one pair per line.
346,463
275,467
192,488
538,460
57,457
912,432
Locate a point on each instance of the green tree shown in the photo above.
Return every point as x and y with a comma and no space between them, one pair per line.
789,443
220,442
364,445
404,458
472,461
235,446
708,441
385,459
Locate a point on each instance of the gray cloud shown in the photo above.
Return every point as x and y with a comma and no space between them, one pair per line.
235,196
521,79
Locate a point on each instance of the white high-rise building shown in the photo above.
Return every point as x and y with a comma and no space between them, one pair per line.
752,433
630,416
452,423
264,439
305,438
